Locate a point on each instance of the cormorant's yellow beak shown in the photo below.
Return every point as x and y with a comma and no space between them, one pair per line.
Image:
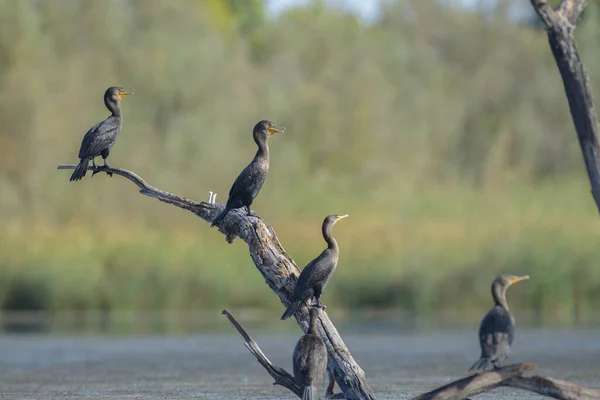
341,217
273,129
519,279
124,92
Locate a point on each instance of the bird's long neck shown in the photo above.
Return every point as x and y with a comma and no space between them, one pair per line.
263,150
312,328
331,242
113,107
499,295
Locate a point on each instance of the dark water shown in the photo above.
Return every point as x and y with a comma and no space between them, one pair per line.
398,364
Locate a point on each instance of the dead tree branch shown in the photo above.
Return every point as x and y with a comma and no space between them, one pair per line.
476,384
511,376
280,375
560,25
551,387
277,268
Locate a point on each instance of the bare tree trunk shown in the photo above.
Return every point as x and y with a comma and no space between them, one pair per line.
560,25
278,269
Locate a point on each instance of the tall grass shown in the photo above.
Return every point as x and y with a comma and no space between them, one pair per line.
431,252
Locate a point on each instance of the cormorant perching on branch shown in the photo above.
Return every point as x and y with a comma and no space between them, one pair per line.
100,139
249,182
315,276
497,329
310,358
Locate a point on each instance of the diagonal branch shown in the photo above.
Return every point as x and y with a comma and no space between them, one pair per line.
511,376
277,268
560,25
475,384
280,375
551,387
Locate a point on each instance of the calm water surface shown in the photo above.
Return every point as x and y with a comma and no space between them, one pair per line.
398,364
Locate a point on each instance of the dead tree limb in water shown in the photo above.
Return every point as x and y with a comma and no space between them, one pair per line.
551,387
511,376
560,25
280,375
277,268
475,384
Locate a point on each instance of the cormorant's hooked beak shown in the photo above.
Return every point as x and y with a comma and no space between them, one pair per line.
518,279
341,217
124,92
273,129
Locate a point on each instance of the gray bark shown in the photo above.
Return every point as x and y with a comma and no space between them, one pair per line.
277,268
560,25
512,376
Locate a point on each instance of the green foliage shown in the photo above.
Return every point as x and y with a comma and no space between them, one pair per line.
444,133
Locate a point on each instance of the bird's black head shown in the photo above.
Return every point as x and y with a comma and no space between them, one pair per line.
264,129
331,220
506,280
500,284
114,94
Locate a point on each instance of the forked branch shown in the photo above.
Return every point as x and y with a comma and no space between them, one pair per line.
277,268
512,376
475,384
280,375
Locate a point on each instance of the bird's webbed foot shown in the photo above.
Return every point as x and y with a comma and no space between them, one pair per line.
248,211
496,365
106,166
96,169
102,168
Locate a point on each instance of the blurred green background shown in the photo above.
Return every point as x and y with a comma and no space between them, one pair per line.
442,130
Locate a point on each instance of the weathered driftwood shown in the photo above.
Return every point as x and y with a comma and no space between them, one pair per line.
280,375
553,388
560,25
511,376
278,269
475,384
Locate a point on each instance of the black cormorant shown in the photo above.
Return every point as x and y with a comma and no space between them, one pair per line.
316,274
249,182
100,139
497,329
310,358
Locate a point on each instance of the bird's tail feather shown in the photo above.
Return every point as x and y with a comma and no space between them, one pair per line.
309,393
220,217
290,310
482,363
80,170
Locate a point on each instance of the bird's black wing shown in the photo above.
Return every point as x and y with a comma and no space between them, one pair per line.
99,137
497,328
247,185
316,271
300,361
310,360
